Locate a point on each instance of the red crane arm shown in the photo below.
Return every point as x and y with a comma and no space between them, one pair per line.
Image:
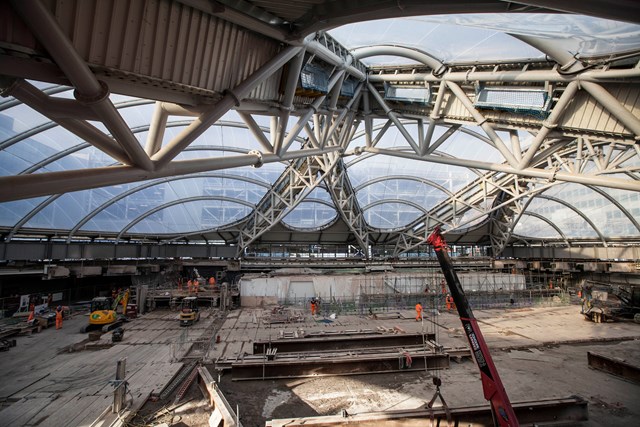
492,387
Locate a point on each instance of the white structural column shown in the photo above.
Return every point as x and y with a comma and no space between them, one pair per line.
591,179
346,201
156,129
257,132
34,185
433,119
295,66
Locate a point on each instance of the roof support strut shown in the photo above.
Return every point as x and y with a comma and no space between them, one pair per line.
89,91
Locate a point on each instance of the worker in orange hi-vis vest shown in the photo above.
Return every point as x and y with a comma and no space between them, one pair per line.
190,286
59,317
450,303
313,307
196,285
418,312
443,285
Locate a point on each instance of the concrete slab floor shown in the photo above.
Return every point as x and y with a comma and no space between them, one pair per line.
45,384
540,353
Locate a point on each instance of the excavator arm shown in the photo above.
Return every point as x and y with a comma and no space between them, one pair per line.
492,387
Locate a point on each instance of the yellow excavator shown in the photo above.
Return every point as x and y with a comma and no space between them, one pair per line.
104,312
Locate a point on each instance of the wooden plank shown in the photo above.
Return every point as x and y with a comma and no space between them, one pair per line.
22,411
58,412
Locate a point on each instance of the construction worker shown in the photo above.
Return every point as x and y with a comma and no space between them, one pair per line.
313,306
196,285
59,317
418,312
189,285
443,285
449,302
212,282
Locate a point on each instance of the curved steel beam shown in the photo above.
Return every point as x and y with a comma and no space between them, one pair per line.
617,204
404,177
31,214
579,212
548,221
318,228
178,202
131,191
422,57
399,201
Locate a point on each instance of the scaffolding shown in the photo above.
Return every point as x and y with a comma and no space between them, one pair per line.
393,291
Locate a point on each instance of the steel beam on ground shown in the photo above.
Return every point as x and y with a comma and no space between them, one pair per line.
328,364
341,342
614,366
565,411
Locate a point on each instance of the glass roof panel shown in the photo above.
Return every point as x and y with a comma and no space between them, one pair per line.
579,34
531,226
444,40
124,211
450,177
190,217
391,215
484,37
403,189
138,115
611,221
571,223
465,146
12,212
12,164
471,218
63,213
19,119
630,200
310,215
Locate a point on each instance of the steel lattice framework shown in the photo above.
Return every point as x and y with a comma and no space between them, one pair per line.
229,56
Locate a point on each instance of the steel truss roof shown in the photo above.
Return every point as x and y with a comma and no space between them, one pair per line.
197,60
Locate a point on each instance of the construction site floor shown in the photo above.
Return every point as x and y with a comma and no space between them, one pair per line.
61,378
55,378
540,353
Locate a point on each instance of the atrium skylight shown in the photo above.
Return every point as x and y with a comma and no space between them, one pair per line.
485,37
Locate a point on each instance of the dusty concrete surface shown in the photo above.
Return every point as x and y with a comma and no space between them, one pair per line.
540,354
53,378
